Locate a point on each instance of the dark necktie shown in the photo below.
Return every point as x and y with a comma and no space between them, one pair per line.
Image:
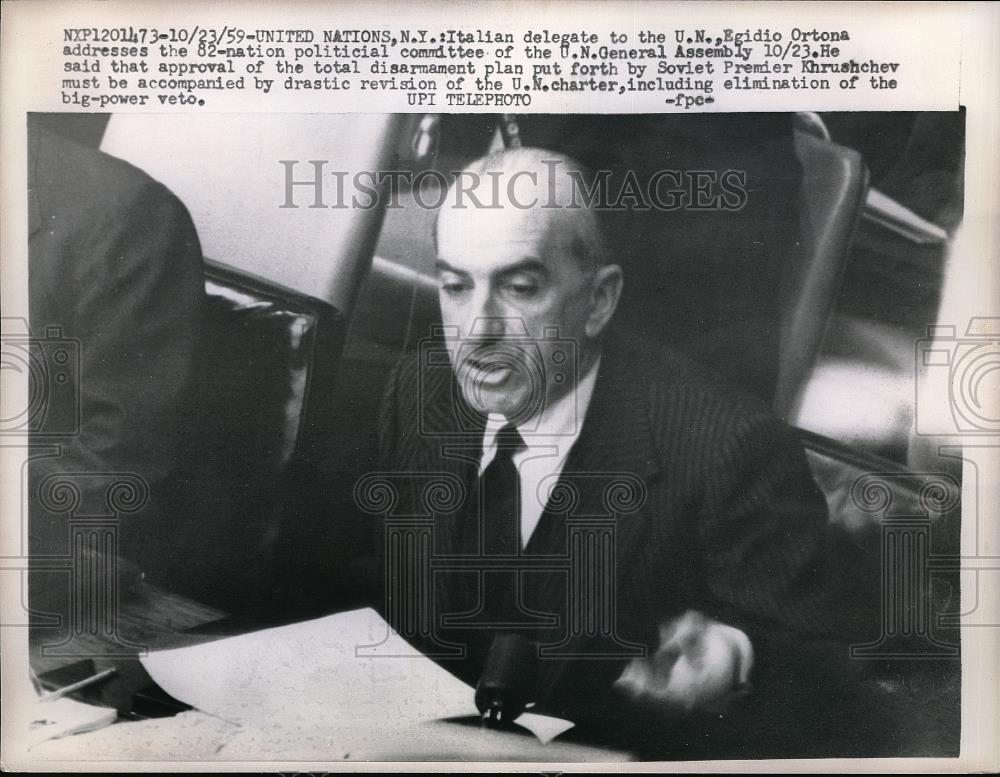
500,500
493,533
500,494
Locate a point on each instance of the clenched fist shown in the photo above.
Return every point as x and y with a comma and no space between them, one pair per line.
701,664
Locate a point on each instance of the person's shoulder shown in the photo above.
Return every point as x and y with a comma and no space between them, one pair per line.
667,371
420,375
683,398
406,372
64,171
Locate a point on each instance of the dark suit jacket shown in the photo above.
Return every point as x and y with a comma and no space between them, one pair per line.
115,266
709,499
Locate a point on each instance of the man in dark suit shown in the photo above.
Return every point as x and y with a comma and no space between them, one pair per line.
644,530
115,268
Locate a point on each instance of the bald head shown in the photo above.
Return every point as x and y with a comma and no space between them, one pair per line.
533,187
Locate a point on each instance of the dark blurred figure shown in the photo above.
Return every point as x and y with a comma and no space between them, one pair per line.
115,266
711,279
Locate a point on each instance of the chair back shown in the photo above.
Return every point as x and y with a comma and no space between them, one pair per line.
834,184
268,369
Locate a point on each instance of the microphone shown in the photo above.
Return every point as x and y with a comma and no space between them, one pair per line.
507,683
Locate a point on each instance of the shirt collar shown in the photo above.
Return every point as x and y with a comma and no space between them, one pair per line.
559,423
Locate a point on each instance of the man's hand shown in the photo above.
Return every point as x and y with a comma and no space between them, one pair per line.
701,664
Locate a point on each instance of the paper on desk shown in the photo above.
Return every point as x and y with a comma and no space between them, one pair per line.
188,736
57,718
344,672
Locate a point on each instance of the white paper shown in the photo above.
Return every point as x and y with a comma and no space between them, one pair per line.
346,673
188,736
308,675
64,717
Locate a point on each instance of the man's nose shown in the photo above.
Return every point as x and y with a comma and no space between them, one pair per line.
492,322
487,327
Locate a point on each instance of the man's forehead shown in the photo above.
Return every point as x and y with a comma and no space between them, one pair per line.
483,236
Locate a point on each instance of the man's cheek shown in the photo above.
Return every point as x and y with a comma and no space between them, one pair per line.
449,314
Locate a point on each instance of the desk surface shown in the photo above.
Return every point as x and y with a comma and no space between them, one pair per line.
849,708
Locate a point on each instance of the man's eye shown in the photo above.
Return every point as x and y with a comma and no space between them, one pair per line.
453,288
521,289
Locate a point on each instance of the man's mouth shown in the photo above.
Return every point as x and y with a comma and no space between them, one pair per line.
489,373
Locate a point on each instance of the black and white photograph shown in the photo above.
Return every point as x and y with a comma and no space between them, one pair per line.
365,438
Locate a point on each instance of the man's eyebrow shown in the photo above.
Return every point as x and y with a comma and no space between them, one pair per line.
440,265
529,264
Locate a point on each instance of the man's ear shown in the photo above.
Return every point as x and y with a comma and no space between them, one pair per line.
605,291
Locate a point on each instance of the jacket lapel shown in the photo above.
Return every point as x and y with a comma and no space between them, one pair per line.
606,478
450,435
615,452
607,469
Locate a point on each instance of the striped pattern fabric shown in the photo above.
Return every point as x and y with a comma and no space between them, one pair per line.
707,499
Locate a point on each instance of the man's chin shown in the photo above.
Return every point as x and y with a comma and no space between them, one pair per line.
512,404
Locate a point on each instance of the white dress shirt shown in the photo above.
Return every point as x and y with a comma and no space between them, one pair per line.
548,442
